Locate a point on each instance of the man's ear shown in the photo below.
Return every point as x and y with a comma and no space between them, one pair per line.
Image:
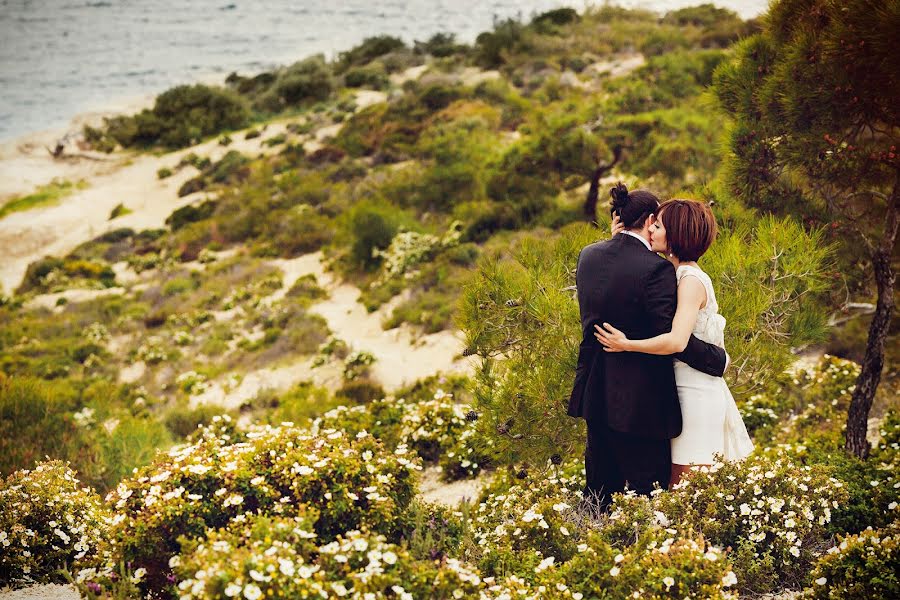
652,218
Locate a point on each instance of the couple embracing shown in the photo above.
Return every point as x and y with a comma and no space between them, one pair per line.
648,380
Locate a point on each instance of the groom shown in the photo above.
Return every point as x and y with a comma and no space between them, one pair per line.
629,400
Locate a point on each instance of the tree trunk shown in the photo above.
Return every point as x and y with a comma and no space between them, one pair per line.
593,195
873,362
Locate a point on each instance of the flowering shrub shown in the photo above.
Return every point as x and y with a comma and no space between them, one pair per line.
822,398
357,364
251,557
440,430
47,521
771,510
519,528
409,248
862,566
152,351
351,481
655,567
277,557
192,382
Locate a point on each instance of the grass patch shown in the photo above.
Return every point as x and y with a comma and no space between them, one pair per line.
46,195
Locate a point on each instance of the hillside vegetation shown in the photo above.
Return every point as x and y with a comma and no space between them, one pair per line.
454,186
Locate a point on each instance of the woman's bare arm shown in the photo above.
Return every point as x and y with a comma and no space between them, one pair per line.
691,296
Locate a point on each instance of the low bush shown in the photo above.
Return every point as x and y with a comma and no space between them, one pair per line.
180,117
861,566
222,478
48,520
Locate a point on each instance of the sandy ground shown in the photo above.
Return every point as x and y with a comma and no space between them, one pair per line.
432,489
403,355
49,591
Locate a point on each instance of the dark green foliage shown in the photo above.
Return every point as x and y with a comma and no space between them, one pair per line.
303,82
369,76
371,226
719,27
181,116
183,422
39,273
231,168
813,98
493,47
190,214
37,419
441,45
361,390
370,48
666,80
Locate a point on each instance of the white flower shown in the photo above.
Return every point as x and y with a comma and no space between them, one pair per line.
232,590
138,575
619,558
821,580
711,556
544,564
614,571
669,582
252,592
389,557
286,567
729,579
795,551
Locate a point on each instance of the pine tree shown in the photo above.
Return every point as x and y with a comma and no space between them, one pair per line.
815,99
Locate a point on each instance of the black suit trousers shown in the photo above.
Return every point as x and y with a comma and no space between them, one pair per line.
614,459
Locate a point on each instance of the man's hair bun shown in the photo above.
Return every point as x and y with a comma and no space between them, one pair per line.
634,207
619,195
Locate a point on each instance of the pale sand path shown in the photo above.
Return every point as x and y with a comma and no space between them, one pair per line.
432,489
49,591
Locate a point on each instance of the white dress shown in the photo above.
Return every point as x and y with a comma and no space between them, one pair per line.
711,422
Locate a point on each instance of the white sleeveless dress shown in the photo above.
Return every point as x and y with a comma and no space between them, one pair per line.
711,422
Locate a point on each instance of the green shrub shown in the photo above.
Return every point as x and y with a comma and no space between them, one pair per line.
350,482
305,81
492,48
860,567
184,421
307,288
372,76
369,49
190,213
267,557
755,507
36,420
47,521
360,390
372,227
119,210
440,45
164,172
180,117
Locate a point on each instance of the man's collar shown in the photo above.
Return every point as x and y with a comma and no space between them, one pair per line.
632,234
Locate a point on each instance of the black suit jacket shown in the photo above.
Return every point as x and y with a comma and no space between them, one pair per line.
622,283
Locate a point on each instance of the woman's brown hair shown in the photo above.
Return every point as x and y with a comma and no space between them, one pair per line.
690,228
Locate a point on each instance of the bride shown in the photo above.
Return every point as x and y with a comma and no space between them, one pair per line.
684,230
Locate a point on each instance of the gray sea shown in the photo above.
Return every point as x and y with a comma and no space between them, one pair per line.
59,58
